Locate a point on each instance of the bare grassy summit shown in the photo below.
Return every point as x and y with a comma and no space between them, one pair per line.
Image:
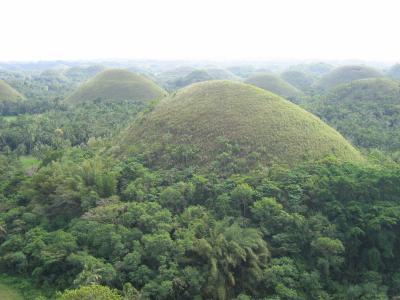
116,85
201,119
275,85
346,74
8,94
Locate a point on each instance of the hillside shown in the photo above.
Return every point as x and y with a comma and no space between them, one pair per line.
300,80
366,111
315,69
275,85
8,94
116,85
346,74
221,74
200,122
81,73
205,75
242,71
394,72
193,77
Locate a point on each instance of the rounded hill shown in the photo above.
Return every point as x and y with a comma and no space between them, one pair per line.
114,85
298,79
205,75
202,122
346,74
221,74
275,85
394,72
193,77
8,94
81,73
366,111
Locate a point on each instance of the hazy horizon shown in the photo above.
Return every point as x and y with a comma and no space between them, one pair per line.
255,30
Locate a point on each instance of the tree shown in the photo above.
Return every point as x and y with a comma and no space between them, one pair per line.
242,195
329,252
92,292
235,258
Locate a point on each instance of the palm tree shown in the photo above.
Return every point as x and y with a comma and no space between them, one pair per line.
235,258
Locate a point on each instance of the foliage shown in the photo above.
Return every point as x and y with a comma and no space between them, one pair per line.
365,111
90,293
189,214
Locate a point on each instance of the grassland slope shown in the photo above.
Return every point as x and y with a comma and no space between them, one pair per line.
116,85
200,119
346,74
275,85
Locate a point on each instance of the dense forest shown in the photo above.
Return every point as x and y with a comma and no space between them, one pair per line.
191,181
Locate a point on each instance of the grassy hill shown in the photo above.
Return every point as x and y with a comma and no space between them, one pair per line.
366,111
7,293
275,85
7,93
300,80
205,75
79,73
193,77
346,74
221,74
314,69
203,121
116,85
10,99
394,72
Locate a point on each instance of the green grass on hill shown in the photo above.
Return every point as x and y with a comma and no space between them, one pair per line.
7,293
7,93
346,74
193,77
203,114
275,85
221,74
205,75
9,118
298,79
29,161
394,72
18,288
116,85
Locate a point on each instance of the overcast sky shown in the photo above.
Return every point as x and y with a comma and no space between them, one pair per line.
201,29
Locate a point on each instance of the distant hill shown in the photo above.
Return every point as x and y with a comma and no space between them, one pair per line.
200,122
242,71
346,74
394,72
53,80
366,111
275,85
298,79
79,74
7,93
116,85
168,78
221,74
10,99
205,75
193,77
315,69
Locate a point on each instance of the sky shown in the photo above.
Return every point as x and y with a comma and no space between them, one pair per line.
200,30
